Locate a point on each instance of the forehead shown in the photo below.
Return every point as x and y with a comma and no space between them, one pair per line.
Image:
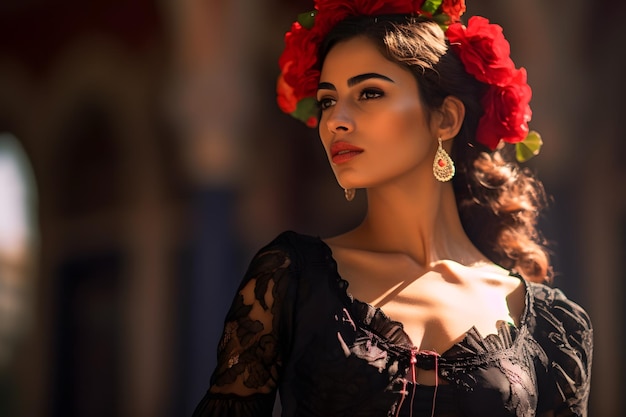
359,55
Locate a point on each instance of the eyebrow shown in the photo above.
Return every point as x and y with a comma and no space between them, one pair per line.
356,80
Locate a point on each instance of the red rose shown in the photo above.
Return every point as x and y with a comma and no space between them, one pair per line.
454,9
507,112
300,54
287,101
483,50
297,84
364,7
398,6
307,87
312,121
288,95
417,4
289,52
333,11
330,12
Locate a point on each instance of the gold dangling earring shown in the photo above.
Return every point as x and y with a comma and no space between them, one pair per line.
443,166
349,193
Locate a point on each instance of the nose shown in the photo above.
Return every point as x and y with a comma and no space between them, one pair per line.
340,119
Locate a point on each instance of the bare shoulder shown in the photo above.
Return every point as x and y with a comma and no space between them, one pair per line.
503,280
490,281
481,271
512,287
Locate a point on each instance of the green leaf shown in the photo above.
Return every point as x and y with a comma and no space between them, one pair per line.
529,147
307,19
431,6
441,18
306,108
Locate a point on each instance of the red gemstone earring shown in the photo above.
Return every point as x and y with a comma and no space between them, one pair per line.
443,166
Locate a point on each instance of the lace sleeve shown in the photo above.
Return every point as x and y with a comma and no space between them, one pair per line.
565,333
245,380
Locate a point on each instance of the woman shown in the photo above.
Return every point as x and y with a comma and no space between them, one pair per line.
435,305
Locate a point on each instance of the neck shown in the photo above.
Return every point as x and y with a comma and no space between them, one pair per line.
422,223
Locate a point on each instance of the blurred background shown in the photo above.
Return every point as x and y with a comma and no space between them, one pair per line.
143,161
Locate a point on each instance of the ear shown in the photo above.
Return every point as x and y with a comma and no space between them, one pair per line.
449,118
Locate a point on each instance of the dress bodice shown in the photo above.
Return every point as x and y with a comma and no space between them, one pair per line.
293,327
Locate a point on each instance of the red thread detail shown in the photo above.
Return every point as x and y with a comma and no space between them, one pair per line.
413,361
404,393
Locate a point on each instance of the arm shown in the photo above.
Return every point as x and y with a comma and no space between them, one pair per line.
245,380
565,334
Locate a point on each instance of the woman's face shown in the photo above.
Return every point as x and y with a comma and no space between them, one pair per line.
373,124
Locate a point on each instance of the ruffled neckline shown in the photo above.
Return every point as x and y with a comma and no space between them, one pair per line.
473,345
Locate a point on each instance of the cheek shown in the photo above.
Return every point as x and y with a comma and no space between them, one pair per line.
413,113
407,120
408,137
324,137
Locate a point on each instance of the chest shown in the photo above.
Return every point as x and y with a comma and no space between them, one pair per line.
436,311
358,361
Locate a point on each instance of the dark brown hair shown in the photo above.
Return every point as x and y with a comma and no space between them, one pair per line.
498,201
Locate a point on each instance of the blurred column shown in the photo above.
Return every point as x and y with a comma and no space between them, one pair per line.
601,209
211,101
19,237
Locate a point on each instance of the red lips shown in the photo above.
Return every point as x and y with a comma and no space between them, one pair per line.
341,152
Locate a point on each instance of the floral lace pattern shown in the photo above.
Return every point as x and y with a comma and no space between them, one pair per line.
248,352
293,327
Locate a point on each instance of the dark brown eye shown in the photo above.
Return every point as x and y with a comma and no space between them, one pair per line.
370,94
325,103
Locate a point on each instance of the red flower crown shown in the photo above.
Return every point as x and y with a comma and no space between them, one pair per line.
481,46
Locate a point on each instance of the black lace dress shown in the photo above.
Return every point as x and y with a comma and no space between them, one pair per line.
294,328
